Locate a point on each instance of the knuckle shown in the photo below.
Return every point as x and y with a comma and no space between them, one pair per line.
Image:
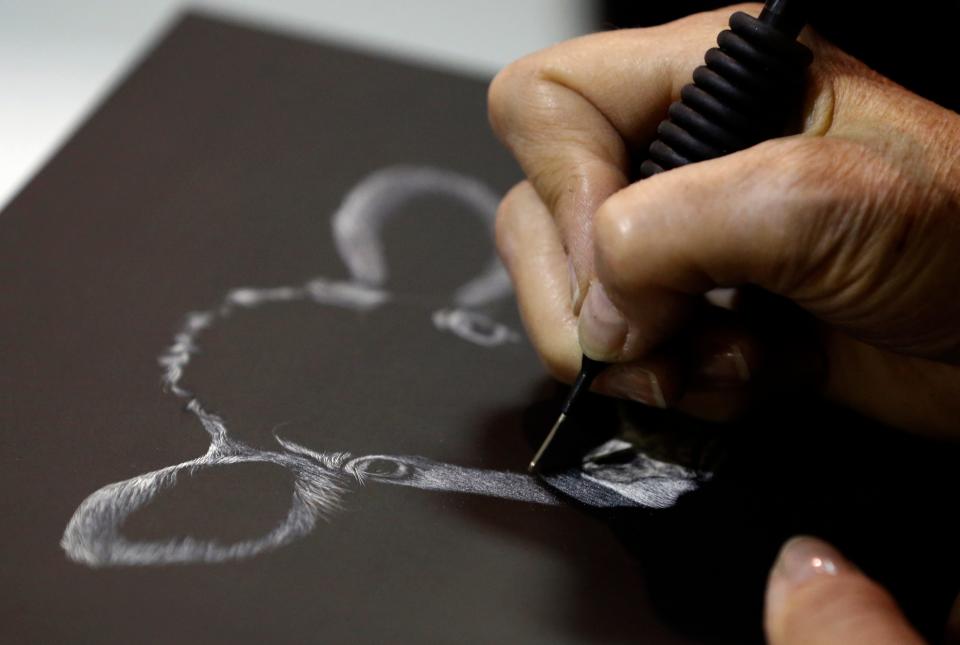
498,98
510,90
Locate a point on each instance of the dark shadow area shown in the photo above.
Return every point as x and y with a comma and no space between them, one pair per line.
607,598
881,496
230,184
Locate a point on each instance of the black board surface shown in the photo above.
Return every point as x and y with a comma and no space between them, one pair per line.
217,165
228,415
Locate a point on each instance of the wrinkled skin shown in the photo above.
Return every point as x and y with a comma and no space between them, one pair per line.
841,241
855,220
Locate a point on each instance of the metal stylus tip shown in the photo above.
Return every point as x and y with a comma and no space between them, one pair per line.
532,467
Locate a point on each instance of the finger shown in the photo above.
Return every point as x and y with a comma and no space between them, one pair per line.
655,382
530,246
569,113
816,597
754,217
711,373
753,347
716,406
902,391
706,373
952,631
789,353
722,362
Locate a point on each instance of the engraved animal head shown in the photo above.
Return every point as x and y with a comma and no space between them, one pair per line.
321,480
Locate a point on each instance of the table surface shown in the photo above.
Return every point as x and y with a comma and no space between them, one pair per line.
58,58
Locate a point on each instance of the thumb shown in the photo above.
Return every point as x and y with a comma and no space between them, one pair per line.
817,597
763,216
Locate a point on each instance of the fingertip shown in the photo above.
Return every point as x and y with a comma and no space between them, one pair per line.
530,245
815,595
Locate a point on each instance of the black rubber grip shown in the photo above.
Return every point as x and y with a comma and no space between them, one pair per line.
741,96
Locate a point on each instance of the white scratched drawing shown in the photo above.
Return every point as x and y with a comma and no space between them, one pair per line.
94,535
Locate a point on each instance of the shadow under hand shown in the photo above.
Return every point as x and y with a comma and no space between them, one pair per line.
879,495
698,570
608,598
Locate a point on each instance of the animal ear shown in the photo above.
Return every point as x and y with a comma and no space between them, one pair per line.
140,521
358,226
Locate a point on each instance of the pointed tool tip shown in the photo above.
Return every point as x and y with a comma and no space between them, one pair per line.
532,466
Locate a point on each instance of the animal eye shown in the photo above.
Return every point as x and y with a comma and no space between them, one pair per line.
474,327
380,467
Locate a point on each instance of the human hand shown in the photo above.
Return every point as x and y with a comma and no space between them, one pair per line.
815,596
856,221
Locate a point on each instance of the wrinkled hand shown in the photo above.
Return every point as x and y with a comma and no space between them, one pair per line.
817,597
856,221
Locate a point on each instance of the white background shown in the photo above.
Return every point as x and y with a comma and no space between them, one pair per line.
58,57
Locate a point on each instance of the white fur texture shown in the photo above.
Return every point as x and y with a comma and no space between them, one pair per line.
94,535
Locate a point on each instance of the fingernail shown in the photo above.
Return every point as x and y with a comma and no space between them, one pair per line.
602,327
634,384
801,559
728,367
574,287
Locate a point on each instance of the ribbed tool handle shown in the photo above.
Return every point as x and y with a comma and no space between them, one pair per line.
742,95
